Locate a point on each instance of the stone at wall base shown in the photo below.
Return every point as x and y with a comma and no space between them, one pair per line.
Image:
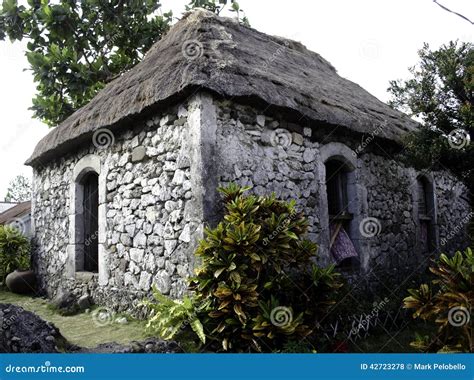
21,282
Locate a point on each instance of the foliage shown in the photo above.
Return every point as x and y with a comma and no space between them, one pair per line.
440,94
19,190
218,6
170,316
14,251
257,287
257,274
76,47
447,302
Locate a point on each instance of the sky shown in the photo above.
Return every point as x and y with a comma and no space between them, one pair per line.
369,42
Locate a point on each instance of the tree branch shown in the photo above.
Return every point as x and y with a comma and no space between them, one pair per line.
449,10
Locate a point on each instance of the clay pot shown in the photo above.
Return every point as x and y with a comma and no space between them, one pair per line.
21,282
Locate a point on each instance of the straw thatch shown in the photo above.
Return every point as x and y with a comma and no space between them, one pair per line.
238,62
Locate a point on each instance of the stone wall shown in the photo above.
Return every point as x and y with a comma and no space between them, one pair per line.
152,207
269,154
160,177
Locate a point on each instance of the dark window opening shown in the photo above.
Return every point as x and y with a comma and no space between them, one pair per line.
341,246
90,226
426,215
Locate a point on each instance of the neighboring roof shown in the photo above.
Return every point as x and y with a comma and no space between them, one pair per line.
239,62
17,211
6,205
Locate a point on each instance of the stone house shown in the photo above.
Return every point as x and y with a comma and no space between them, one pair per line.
124,186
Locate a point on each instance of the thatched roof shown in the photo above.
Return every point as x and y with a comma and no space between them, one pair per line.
237,62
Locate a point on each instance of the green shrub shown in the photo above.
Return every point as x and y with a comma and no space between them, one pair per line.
446,302
170,316
14,251
257,285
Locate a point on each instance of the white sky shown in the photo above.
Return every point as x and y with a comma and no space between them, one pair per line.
368,41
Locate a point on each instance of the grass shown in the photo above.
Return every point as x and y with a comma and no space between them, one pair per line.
80,329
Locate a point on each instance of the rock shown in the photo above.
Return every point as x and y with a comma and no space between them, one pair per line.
65,302
139,240
22,331
138,153
185,234
121,321
260,120
84,302
137,254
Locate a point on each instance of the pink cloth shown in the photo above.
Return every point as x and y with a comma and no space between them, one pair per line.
342,247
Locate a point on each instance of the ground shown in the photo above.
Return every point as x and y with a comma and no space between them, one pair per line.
79,329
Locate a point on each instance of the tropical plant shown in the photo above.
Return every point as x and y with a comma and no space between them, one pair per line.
257,274
447,302
257,287
14,251
170,316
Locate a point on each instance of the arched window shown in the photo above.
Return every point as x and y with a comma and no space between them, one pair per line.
338,179
426,215
89,223
86,251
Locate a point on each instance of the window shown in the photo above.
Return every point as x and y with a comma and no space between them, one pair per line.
426,215
340,219
90,185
